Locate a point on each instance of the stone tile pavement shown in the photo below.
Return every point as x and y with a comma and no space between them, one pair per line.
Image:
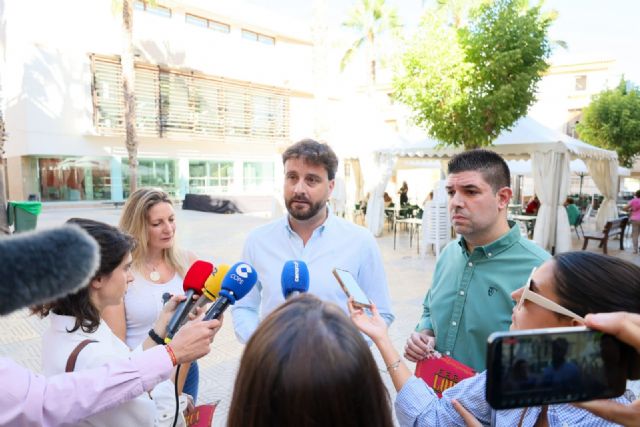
219,238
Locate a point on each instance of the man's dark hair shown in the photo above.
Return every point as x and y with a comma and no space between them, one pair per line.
491,165
315,153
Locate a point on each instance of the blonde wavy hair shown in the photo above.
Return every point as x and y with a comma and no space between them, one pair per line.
135,220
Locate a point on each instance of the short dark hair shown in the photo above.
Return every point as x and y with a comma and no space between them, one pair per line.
638,193
307,365
314,152
588,282
114,246
490,164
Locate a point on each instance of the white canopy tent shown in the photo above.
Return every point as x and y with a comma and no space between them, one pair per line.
578,167
550,152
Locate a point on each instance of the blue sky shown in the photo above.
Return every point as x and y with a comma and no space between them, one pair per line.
593,29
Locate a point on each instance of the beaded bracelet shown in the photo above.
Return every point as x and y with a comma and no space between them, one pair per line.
392,367
172,355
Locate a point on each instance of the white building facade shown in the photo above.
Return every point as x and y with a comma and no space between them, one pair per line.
219,93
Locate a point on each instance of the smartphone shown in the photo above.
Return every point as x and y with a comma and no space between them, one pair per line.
351,288
555,365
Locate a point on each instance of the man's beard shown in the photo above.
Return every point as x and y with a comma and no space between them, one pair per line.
301,215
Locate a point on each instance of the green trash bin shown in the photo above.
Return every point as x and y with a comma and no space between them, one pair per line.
23,215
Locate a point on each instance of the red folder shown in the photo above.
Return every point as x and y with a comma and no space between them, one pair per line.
202,415
442,373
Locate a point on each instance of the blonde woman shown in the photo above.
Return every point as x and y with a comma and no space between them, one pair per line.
158,268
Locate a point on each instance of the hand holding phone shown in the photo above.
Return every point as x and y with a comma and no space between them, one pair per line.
351,289
554,365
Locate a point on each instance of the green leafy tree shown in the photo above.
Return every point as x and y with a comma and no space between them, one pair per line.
370,19
612,121
466,85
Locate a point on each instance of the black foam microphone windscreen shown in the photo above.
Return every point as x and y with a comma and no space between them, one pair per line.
40,266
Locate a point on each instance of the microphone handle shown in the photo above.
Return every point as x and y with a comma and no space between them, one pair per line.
217,308
181,312
200,302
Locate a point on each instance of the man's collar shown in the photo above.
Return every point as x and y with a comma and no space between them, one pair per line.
502,243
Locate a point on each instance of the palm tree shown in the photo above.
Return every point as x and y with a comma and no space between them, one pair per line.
128,85
4,223
370,19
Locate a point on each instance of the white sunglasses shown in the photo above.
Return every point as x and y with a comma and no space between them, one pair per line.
528,294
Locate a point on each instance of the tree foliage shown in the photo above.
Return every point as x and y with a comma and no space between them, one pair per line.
466,85
612,121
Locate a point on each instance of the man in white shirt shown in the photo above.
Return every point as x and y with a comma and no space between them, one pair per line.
311,233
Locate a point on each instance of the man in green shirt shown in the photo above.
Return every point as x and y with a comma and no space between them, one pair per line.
470,296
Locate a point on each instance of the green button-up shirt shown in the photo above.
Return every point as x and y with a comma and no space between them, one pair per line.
470,296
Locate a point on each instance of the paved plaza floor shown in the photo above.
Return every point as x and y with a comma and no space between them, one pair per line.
219,238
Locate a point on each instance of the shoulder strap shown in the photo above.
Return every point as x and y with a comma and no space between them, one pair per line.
71,361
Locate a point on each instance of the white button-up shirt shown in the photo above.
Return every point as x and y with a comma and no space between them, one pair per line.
337,243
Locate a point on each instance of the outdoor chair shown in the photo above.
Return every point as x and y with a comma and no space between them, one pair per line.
579,224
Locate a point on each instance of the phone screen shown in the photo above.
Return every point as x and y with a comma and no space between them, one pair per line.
530,368
351,287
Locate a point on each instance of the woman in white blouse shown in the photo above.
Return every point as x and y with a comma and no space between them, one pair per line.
77,318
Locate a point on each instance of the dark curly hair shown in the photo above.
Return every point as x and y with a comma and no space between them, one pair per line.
114,246
314,152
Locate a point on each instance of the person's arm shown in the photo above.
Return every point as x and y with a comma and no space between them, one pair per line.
245,311
626,327
245,314
30,399
422,341
416,403
373,280
115,318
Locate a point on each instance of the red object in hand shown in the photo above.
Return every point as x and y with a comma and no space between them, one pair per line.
442,373
202,415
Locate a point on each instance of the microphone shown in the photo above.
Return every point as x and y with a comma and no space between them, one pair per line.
41,266
212,286
192,284
238,281
294,279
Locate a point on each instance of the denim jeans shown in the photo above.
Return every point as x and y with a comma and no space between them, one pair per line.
192,381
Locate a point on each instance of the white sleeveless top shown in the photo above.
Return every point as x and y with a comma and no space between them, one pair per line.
143,303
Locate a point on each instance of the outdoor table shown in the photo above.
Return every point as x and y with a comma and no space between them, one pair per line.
414,227
529,220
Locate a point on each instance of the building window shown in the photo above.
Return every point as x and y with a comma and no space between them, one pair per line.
256,37
207,23
156,9
152,173
74,178
210,177
258,177
266,39
581,83
172,103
